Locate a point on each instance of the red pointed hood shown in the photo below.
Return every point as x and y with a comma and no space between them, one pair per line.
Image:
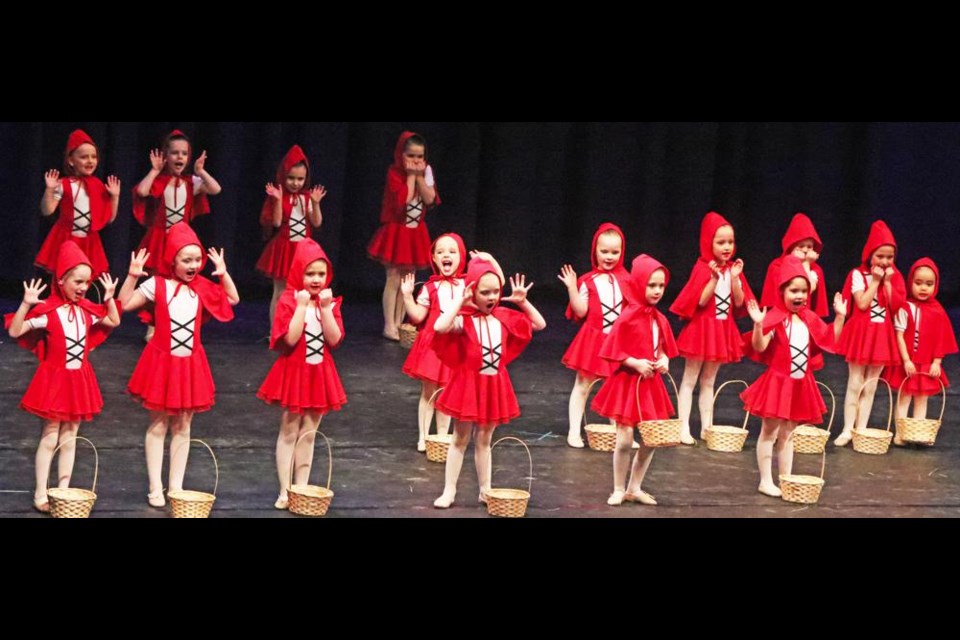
179,236
880,235
294,157
308,252
399,149
801,228
77,138
603,228
641,270
930,264
708,231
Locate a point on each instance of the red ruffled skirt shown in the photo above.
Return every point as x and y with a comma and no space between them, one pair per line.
298,387
58,393
777,395
617,399
709,339
163,382
583,353
483,400
397,245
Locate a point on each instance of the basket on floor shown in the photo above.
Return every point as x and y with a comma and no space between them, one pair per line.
194,504
727,439
439,444
875,442
600,437
74,503
804,489
408,335
660,433
307,499
810,439
509,503
921,430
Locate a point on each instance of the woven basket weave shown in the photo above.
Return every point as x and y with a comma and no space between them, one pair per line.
724,438
510,503
810,439
194,504
921,430
307,499
875,442
73,503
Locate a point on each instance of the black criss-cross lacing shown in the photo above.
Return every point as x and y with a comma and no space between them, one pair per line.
176,327
75,348
799,356
417,206
315,342
722,303
175,215
877,311
490,355
81,220
298,229
611,312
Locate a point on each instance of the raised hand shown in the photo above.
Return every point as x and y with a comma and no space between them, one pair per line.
756,313
839,305
318,193
888,273
52,178
325,298
273,191
113,186
812,256
200,163
568,276
518,289
109,285
219,264
714,269
736,268
137,261
302,297
32,291
407,284
157,159
877,273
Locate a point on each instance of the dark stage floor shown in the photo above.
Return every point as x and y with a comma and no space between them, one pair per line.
377,471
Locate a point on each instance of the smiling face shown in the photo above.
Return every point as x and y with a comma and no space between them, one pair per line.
795,294
446,255
296,178
609,248
187,264
83,160
883,257
76,282
486,294
315,277
655,287
924,283
724,244
178,155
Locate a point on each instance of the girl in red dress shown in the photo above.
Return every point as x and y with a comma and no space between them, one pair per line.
924,336
291,210
786,338
402,243
596,300
640,346
440,292
86,204
711,300
478,338
304,378
62,331
172,379
874,292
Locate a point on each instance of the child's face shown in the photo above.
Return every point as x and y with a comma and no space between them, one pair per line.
446,255
924,283
84,159
723,244
655,287
802,248
883,257
413,152
187,264
178,154
609,248
487,293
296,178
795,294
315,277
76,282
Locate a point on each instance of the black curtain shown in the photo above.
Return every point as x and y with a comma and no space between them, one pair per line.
532,193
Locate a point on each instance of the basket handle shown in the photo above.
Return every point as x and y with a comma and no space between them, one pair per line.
943,390
889,395
823,457
431,402
96,460
529,457
586,405
746,418
216,467
293,458
833,405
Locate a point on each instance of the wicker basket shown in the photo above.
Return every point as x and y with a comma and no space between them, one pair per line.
728,439
306,499
600,437
194,504
810,439
408,335
437,445
875,442
510,503
660,433
804,489
74,503
921,430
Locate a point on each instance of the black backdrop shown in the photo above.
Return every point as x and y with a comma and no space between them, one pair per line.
532,193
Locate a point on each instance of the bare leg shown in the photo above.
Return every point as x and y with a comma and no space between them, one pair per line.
768,436
578,405
455,455
153,448
691,373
